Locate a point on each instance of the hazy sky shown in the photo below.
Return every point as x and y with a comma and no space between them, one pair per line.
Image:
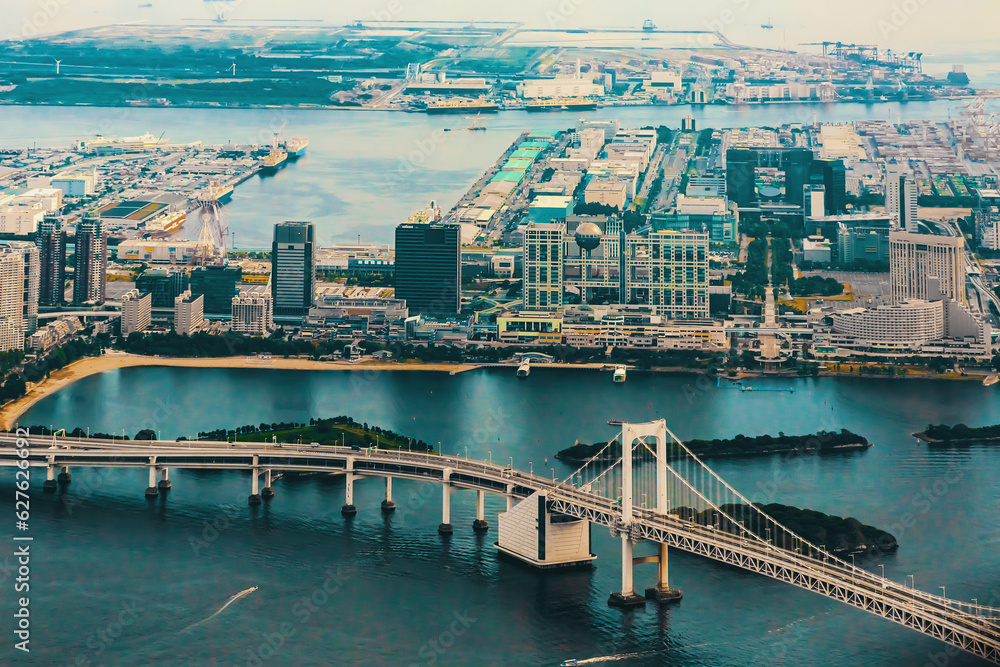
937,27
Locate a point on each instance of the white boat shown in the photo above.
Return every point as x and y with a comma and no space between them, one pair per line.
524,369
991,380
619,374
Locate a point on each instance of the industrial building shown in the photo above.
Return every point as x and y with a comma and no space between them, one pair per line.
157,252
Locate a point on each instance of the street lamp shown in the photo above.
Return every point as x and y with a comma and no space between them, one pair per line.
913,586
466,452
883,574
531,468
490,452
942,592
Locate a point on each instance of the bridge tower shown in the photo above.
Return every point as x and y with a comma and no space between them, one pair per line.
625,528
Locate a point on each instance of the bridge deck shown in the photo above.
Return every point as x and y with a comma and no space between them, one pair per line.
972,628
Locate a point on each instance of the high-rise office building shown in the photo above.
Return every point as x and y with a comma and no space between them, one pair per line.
189,313
665,271
218,284
986,216
29,253
11,301
927,267
893,173
543,265
908,195
832,175
741,164
51,241
293,268
137,309
429,267
91,260
164,286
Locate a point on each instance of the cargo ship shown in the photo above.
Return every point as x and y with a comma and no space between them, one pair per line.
296,147
463,107
576,104
215,192
275,159
124,144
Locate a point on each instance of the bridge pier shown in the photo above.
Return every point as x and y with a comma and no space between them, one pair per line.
662,592
480,525
254,498
64,476
349,509
268,491
50,478
164,482
388,505
627,598
446,528
510,497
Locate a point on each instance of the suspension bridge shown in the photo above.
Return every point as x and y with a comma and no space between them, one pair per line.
646,485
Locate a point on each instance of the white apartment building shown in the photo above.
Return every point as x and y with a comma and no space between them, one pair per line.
137,312
253,314
189,313
32,278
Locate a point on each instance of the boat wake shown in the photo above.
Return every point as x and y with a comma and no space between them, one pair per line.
241,594
611,658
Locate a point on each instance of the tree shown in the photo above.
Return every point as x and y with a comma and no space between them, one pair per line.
145,434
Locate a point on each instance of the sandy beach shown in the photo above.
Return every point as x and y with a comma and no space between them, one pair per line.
64,377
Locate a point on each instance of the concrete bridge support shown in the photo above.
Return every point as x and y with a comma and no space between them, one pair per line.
254,498
626,598
662,592
349,509
446,528
268,491
510,497
388,505
50,478
64,476
164,482
480,525
151,490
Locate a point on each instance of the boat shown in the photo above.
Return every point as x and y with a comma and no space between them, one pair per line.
275,159
477,125
524,369
565,104
648,25
296,147
463,106
216,192
991,380
619,374
768,25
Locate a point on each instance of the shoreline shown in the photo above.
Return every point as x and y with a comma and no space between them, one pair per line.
82,368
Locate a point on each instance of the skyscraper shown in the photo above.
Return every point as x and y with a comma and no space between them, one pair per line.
218,284
893,173
91,260
543,264
923,266
11,301
51,241
832,175
908,194
429,267
293,269
29,254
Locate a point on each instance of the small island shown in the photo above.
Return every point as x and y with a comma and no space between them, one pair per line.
959,435
835,534
741,445
332,431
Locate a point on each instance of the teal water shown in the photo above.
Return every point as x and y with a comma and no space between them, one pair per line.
398,594
365,172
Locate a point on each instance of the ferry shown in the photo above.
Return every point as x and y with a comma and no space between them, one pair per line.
125,144
524,369
991,380
296,147
619,374
215,192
